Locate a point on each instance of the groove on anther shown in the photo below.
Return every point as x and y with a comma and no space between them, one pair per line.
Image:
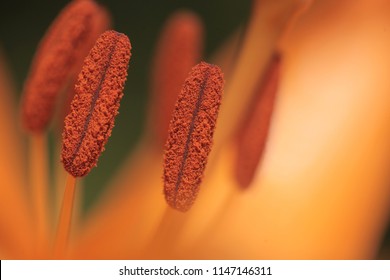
190,135
99,90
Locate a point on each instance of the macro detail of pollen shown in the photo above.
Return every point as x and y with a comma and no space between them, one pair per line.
96,103
274,115
190,134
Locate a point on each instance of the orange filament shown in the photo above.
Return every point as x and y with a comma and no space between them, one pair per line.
65,220
252,137
165,234
179,48
99,90
61,50
40,188
190,134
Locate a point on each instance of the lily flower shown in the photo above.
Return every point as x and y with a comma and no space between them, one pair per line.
276,149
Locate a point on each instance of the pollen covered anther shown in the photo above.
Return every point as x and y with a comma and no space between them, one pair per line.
60,53
253,133
190,134
95,105
179,48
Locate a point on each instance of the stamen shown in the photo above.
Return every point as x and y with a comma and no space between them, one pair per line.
178,49
253,133
99,90
190,134
65,219
64,44
39,170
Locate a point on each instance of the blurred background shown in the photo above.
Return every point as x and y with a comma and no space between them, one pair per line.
23,23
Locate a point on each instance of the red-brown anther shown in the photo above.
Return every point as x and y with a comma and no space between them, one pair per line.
190,134
60,53
253,134
179,48
99,24
95,105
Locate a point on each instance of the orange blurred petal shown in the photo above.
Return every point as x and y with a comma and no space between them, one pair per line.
15,227
323,191
125,221
270,20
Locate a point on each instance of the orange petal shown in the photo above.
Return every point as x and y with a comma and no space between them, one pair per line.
324,188
15,227
129,214
269,22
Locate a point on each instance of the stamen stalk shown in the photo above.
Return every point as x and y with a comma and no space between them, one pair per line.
65,219
166,233
39,186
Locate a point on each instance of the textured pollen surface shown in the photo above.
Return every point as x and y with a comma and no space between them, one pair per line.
67,42
190,135
178,50
253,135
95,105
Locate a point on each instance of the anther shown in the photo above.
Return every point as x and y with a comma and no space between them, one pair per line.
65,44
179,48
253,133
190,134
95,105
